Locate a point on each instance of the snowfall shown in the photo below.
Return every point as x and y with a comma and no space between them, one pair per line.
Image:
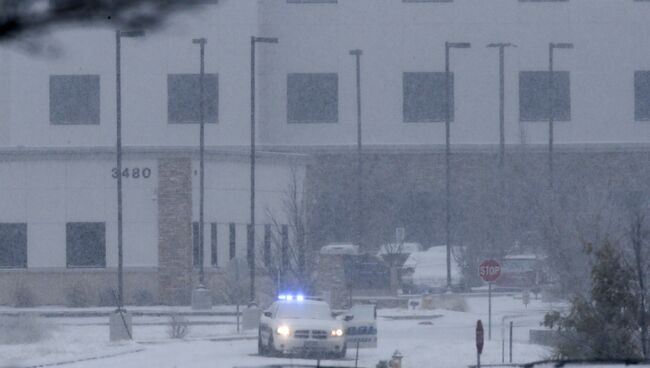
425,338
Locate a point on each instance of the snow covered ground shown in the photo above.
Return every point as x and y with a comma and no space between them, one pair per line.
446,341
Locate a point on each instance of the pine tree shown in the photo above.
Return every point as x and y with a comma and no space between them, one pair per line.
602,325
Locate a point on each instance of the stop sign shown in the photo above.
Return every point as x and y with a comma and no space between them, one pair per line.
489,270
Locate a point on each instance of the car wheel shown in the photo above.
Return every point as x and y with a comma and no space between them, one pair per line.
261,349
271,348
343,352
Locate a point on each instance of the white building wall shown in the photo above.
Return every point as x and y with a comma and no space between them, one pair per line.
396,37
146,62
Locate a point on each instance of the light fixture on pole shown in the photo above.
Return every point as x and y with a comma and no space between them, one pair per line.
360,226
120,331
448,92
502,130
551,103
251,228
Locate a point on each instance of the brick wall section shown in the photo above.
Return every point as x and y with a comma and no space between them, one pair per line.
174,230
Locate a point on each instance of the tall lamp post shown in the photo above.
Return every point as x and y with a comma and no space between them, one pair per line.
502,130
251,230
360,228
551,103
120,331
201,298
448,92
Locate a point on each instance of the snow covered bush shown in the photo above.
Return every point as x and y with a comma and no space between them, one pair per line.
143,297
78,296
23,329
107,298
177,326
23,296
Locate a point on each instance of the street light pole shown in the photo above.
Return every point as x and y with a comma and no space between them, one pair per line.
360,228
502,130
201,42
251,231
551,105
448,92
118,87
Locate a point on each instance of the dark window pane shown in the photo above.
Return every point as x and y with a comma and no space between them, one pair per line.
425,97
642,95
195,244
313,98
267,245
13,245
213,245
183,98
86,244
285,247
534,98
74,99
232,234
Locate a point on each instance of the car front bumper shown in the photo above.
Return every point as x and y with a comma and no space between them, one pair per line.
296,346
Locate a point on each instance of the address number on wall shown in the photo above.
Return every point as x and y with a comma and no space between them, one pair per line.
134,173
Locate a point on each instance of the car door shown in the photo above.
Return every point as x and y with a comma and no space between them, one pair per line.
361,326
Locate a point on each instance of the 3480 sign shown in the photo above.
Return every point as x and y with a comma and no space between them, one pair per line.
133,173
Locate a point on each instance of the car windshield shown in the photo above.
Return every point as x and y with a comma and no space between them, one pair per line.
304,311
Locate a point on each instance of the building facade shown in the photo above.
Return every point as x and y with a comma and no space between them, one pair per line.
57,124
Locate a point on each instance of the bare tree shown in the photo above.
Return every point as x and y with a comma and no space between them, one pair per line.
290,263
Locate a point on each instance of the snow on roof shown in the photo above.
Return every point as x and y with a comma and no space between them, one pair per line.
430,267
340,248
399,248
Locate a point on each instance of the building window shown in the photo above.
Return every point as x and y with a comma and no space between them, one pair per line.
195,244
267,245
233,237
425,97
313,98
74,99
86,244
285,247
183,98
534,96
642,95
213,245
13,245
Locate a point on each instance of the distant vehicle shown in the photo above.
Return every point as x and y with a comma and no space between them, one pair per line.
522,271
294,325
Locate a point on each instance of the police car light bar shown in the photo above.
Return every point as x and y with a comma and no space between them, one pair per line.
290,297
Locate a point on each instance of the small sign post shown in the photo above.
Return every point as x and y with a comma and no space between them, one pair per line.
489,270
479,342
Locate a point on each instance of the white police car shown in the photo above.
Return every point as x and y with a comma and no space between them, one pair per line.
294,325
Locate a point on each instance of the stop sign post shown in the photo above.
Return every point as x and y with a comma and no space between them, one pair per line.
489,270
479,342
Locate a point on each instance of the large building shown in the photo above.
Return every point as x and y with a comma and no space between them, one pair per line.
57,126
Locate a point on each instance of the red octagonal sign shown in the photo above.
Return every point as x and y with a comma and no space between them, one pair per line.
489,270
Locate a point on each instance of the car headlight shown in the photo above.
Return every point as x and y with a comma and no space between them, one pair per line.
283,330
338,332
